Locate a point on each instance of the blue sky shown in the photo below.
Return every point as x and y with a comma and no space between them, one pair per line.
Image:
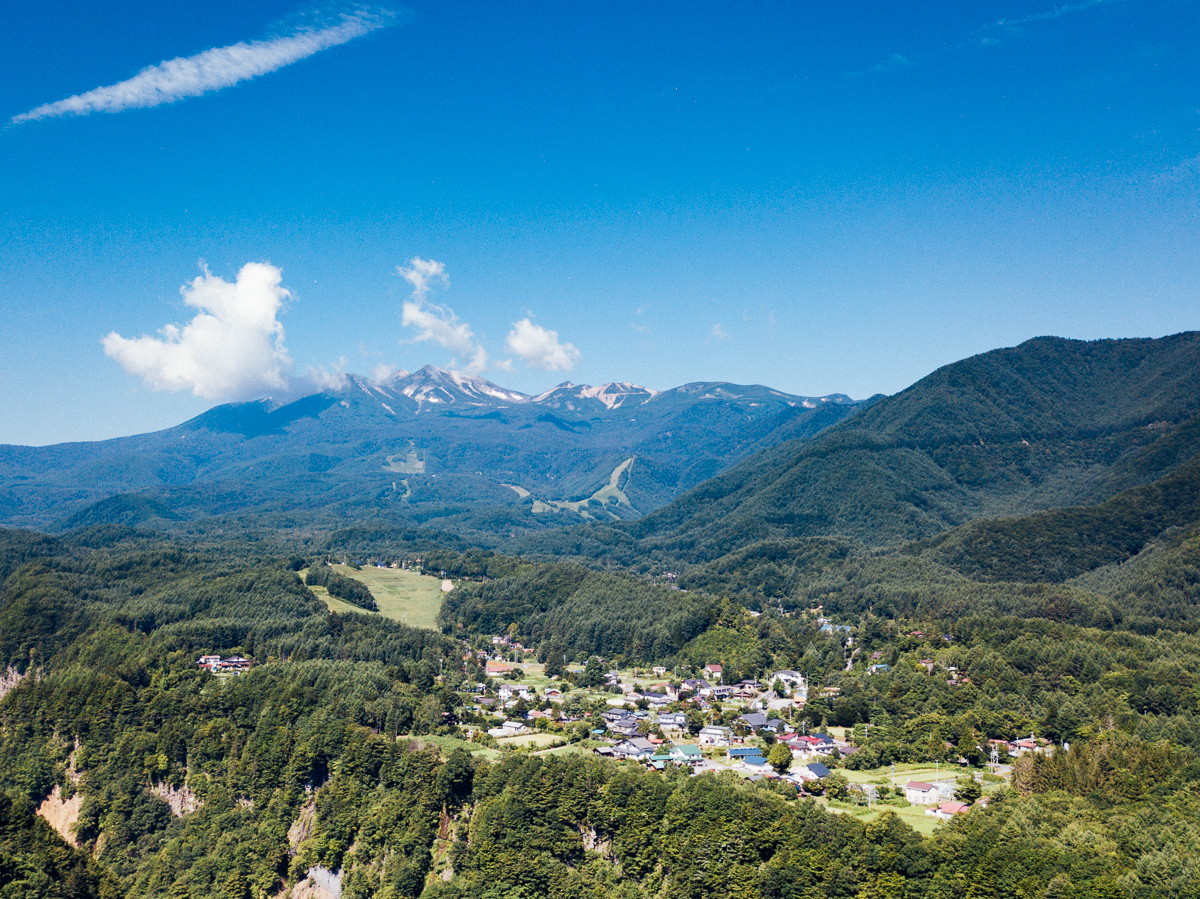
819,197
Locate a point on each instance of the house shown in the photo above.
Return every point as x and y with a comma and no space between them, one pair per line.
829,628
694,685
879,669
947,810
812,744
623,727
634,748
738,753
514,691
753,721
231,665
493,668
657,699
714,735
817,770
793,680
552,693
508,729
659,671
713,671
672,721
659,760
686,755
918,792
611,715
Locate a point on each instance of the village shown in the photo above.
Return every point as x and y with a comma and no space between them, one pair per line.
691,719
654,717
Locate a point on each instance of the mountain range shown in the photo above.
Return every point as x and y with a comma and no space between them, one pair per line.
431,447
981,465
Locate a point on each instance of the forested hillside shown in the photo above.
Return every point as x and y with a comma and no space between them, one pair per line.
1046,424
198,786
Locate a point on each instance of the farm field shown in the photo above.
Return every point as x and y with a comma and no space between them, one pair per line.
532,740
404,596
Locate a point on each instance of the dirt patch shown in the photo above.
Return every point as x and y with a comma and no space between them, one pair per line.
61,814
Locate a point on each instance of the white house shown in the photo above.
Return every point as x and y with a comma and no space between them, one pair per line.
714,735
508,729
514,691
920,793
947,810
672,721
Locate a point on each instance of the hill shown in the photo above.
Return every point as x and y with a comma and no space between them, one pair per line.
1048,424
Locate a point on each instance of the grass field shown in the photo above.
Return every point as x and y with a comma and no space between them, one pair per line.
914,816
404,596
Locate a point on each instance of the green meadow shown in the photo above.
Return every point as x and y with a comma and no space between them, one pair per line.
405,596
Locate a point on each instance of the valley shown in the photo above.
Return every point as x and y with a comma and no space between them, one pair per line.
945,638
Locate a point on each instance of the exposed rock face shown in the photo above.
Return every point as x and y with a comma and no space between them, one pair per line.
9,679
182,800
321,883
61,814
302,827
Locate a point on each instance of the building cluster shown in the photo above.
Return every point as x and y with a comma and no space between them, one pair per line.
218,665
651,726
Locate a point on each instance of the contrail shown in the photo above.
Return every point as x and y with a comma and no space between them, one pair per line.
220,67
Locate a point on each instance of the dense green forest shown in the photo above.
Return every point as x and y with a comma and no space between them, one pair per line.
193,785
355,593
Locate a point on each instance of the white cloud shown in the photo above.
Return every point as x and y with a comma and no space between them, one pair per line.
1056,12
538,347
718,332
439,324
382,372
220,67
423,274
330,381
232,349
